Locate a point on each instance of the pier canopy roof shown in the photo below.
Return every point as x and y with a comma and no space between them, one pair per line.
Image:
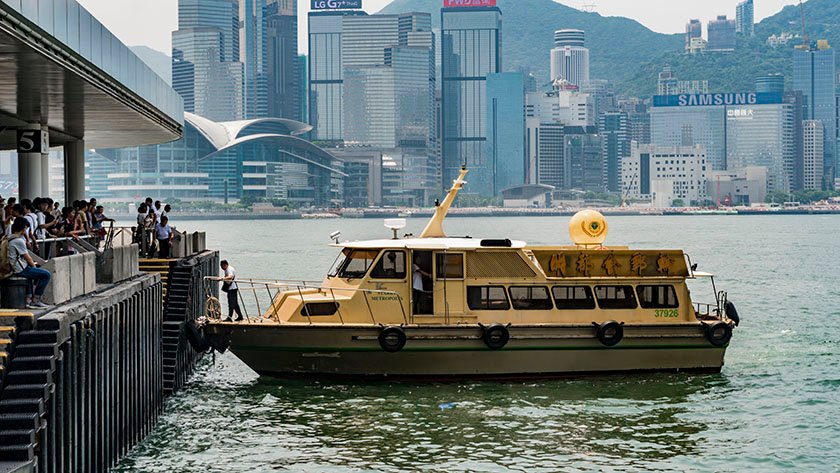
62,68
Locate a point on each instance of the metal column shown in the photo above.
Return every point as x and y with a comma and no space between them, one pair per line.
74,171
31,140
45,167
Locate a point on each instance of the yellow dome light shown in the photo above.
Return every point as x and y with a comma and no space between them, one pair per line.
588,228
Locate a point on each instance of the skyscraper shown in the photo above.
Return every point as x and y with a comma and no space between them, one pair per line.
254,55
285,72
506,129
570,58
814,75
326,75
471,48
721,33
614,129
387,101
771,83
813,142
268,49
205,58
693,29
745,18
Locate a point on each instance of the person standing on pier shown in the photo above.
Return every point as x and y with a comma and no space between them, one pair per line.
232,289
163,233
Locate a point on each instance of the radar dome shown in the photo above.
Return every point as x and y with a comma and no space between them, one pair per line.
588,228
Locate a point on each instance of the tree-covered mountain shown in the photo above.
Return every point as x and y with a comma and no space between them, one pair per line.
737,71
617,45
631,55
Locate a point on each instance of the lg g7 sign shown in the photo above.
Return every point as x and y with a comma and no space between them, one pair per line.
335,4
468,3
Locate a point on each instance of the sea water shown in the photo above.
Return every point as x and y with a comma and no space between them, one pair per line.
775,406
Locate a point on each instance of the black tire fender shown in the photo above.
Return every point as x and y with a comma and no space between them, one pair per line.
731,312
610,333
719,333
495,336
392,339
196,337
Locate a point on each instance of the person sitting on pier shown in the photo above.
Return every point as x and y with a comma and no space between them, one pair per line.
163,233
232,289
24,266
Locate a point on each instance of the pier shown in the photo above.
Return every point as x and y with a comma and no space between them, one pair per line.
85,381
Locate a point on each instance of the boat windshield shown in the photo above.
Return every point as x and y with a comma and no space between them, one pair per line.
356,263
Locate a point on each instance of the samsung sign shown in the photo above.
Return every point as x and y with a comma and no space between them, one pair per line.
468,3
335,4
705,100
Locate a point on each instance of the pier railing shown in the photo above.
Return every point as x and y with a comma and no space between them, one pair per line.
261,298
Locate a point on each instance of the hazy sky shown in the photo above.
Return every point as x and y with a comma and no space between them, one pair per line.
150,22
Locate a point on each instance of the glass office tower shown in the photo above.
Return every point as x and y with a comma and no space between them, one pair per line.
471,48
814,74
326,74
506,130
205,53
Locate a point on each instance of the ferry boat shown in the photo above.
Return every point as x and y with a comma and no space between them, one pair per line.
488,308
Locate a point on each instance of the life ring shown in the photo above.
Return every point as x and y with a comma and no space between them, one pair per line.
719,333
392,339
495,336
610,333
731,312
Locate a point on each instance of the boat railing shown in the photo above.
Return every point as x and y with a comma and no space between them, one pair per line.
703,309
261,298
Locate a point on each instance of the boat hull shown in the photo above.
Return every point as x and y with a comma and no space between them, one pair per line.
460,352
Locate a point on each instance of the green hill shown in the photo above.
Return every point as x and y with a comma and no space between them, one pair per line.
732,72
631,55
617,45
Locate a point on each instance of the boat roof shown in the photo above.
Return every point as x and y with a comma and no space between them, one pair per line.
447,243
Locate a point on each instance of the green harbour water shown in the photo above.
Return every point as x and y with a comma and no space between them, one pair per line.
774,407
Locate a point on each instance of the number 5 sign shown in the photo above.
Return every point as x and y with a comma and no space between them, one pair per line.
32,141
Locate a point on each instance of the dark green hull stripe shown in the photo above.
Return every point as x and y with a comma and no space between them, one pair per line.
455,349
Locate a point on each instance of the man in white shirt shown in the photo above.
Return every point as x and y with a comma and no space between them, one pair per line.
417,285
232,289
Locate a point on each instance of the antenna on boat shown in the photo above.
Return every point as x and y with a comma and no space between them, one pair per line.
434,229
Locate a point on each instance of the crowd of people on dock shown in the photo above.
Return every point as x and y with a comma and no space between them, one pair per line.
153,232
41,226
36,225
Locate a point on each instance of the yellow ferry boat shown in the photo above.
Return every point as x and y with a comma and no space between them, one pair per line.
487,308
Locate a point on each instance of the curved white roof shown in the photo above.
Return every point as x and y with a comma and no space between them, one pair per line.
224,134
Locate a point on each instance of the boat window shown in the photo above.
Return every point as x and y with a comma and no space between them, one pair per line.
573,297
339,262
530,298
357,263
390,266
317,309
658,297
615,297
487,298
450,266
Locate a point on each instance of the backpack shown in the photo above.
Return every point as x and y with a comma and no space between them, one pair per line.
6,269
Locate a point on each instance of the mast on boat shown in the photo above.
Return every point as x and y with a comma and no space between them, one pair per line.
434,229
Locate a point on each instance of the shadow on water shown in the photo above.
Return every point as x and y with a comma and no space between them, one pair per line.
244,423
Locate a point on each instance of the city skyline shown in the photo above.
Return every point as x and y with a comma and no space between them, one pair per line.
152,22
